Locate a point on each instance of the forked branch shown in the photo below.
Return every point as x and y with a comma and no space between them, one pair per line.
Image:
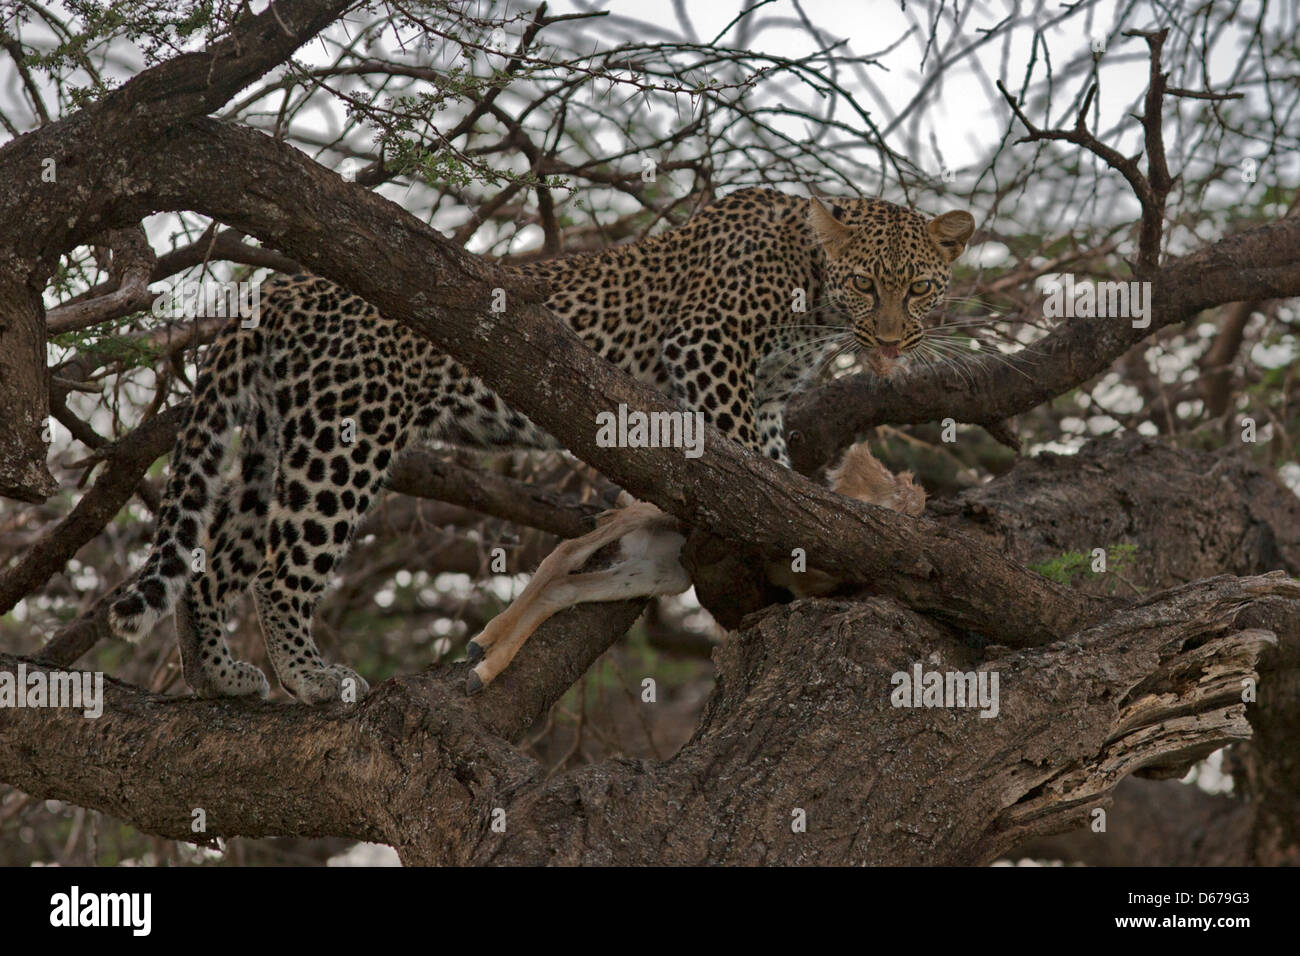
1151,189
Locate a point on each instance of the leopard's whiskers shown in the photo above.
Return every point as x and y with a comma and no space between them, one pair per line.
928,360
958,355
943,359
805,344
800,349
989,347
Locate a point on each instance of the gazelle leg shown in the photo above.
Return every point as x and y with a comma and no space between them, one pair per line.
650,546
568,556
635,578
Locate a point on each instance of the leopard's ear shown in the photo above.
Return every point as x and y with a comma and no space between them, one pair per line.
831,233
951,231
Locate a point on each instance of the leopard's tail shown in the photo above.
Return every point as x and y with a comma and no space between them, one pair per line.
191,492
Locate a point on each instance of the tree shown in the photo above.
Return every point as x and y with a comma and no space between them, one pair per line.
1133,598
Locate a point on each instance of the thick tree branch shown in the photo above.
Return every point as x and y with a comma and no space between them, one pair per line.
419,766
428,474
1156,685
337,764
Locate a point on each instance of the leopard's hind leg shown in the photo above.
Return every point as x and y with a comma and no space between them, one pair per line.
322,487
237,542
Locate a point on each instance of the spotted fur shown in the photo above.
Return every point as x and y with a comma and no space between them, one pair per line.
707,312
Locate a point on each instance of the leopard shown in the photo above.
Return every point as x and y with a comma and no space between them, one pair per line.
731,314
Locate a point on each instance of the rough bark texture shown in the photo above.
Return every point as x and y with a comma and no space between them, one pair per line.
1190,514
1095,686
793,725
1229,515
24,392
800,719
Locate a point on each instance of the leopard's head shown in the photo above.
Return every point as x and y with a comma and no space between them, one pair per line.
887,267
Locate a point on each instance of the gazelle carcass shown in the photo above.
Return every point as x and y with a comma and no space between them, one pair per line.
649,561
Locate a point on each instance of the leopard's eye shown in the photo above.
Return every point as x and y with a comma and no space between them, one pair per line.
863,284
921,287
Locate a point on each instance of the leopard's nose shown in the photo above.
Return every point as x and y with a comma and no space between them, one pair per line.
889,348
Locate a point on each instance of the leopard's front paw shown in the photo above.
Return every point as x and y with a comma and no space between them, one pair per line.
237,679
324,685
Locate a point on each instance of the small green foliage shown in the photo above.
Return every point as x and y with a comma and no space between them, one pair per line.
1064,568
406,153
107,341
158,27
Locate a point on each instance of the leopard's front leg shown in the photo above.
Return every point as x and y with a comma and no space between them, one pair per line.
718,380
771,431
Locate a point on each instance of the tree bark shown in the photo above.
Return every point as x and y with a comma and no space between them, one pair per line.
1191,514
24,392
800,719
